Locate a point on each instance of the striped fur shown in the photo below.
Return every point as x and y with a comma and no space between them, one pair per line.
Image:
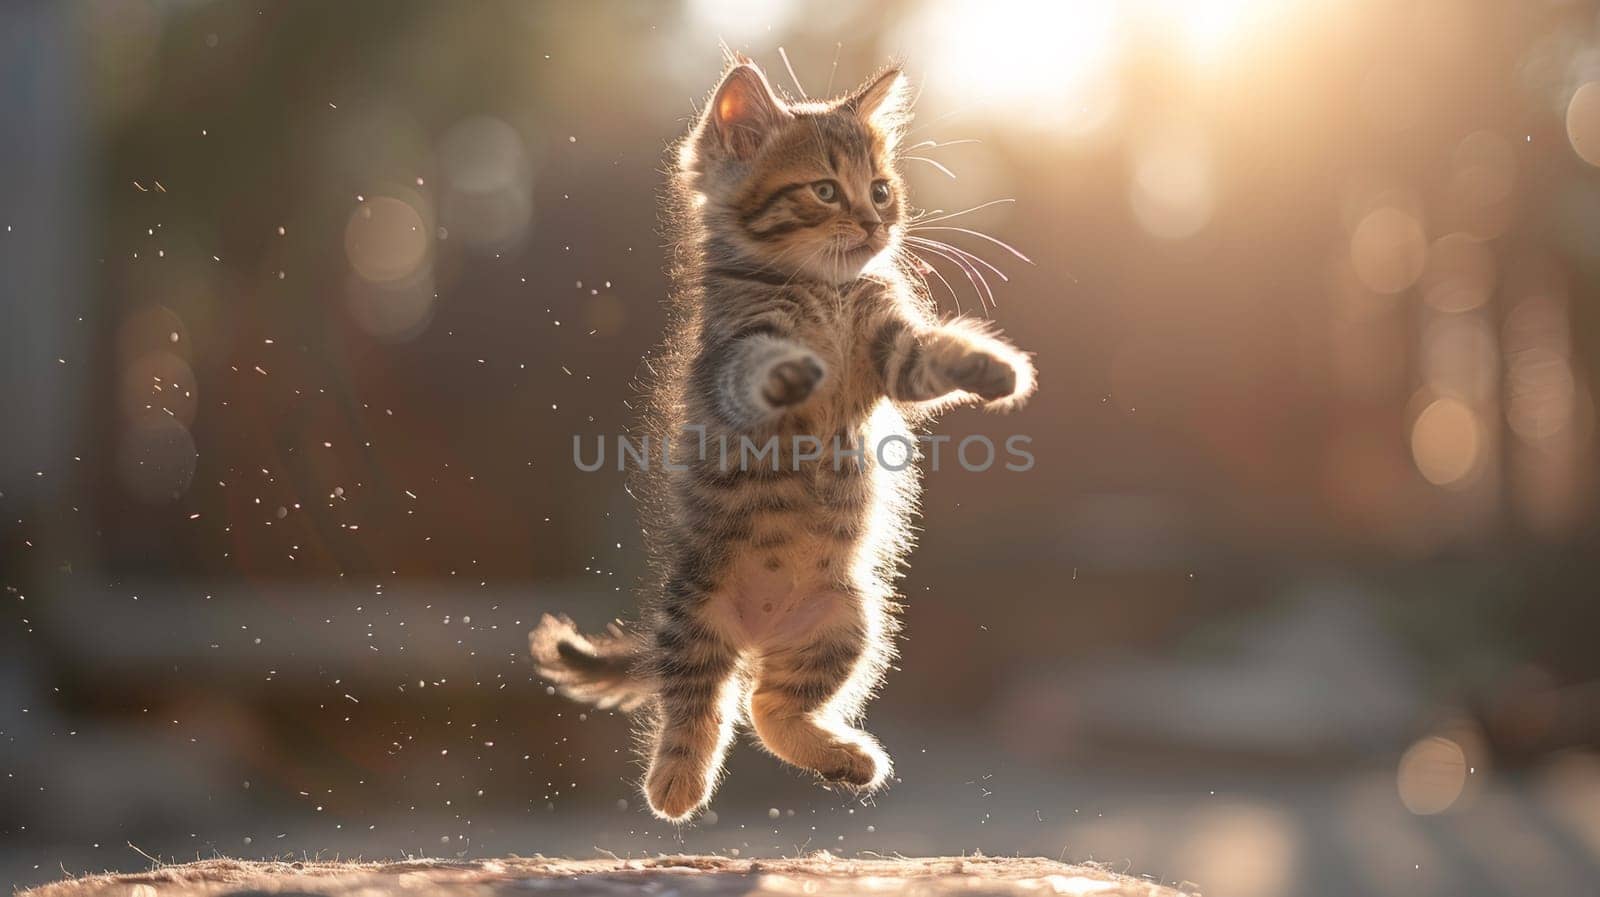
772,600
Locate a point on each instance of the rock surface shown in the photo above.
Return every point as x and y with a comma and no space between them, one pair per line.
819,874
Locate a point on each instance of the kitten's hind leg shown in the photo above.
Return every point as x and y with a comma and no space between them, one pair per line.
795,707
694,721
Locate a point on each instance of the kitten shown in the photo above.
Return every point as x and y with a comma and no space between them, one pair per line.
794,316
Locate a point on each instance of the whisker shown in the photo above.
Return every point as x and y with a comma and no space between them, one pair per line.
974,275
962,267
792,76
964,253
935,144
980,234
907,265
799,269
923,126
773,263
941,215
970,258
838,47
946,171
935,271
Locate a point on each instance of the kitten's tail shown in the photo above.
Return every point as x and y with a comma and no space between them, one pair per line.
600,669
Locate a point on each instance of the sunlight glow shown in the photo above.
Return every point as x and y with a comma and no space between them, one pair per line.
1055,66
1210,28
737,21
1052,74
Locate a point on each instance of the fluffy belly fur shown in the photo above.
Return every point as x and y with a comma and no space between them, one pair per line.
777,598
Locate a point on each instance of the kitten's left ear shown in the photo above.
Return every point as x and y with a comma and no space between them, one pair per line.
885,100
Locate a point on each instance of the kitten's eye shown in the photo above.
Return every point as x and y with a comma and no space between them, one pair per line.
827,191
880,193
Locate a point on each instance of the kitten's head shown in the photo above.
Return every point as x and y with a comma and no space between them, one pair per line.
799,187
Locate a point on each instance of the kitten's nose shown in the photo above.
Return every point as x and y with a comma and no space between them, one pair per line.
870,225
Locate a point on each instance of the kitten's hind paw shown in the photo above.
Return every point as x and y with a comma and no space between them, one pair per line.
862,766
675,789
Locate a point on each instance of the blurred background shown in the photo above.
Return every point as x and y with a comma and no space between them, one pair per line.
303,304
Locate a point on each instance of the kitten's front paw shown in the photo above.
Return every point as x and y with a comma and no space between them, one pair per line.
675,788
790,381
988,376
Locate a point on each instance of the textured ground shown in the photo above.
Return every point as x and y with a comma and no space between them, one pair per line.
818,874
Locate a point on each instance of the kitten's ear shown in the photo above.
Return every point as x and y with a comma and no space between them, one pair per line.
885,100
744,112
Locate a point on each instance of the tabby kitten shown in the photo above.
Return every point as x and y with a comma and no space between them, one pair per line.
795,316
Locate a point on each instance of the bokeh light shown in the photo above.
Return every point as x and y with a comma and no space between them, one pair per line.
1173,192
156,459
1447,442
1432,775
1459,274
482,154
157,397
488,200
1460,358
151,328
390,290
1388,250
1541,390
1483,183
386,239
392,312
1583,122
158,383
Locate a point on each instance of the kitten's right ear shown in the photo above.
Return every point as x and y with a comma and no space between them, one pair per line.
743,113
